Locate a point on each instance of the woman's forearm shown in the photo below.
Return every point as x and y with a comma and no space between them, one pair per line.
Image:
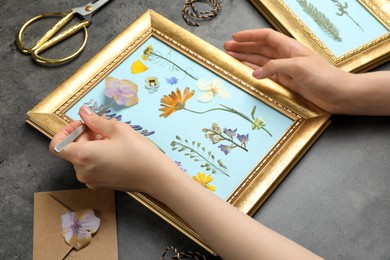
231,233
369,93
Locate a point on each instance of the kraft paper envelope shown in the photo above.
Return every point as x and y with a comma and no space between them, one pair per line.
48,208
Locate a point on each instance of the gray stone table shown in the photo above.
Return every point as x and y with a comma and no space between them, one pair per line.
336,201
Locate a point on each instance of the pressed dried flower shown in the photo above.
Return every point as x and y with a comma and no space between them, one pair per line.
204,180
210,89
124,92
78,227
138,67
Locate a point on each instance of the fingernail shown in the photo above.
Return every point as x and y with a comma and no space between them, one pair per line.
257,73
86,110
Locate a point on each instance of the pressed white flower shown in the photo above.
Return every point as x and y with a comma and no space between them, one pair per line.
78,227
210,89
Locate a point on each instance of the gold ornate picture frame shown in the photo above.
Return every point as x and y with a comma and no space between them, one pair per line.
236,135
353,35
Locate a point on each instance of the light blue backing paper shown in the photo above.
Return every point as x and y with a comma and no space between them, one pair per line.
188,125
352,36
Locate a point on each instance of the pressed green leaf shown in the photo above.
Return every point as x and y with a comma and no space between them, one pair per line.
253,112
323,22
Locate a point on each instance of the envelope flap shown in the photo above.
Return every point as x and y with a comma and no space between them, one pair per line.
48,242
104,242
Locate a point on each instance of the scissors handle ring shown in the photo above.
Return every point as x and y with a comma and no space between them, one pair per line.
48,41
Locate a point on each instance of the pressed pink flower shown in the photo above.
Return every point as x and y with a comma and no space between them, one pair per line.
124,92
78,227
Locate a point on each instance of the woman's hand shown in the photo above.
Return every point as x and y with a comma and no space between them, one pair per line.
291,64
112,155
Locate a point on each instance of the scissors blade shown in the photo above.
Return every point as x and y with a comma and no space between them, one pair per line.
90,8
77,132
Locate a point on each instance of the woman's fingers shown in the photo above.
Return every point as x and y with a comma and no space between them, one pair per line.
253,59
64,132
272,44
98,125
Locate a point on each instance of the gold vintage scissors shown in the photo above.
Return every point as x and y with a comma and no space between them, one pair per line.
48,40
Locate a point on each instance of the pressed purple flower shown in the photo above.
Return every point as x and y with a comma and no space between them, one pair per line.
229,132
225,148
172,80
124,92
78,227
179,164
243,139
149,133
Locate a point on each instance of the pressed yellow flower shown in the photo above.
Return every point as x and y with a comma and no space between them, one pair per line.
138,67
148,51
204,180
175,101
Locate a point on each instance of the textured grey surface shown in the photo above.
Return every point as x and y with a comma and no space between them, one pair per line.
335,201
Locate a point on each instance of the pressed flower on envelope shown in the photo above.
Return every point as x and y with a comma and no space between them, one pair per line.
78,227
124,92
204,180
210,89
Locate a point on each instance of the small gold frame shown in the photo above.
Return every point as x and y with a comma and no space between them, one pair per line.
362,58
48,116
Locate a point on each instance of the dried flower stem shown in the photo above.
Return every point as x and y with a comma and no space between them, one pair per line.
174,64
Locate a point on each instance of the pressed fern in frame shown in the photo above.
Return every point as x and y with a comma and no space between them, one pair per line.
320,18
